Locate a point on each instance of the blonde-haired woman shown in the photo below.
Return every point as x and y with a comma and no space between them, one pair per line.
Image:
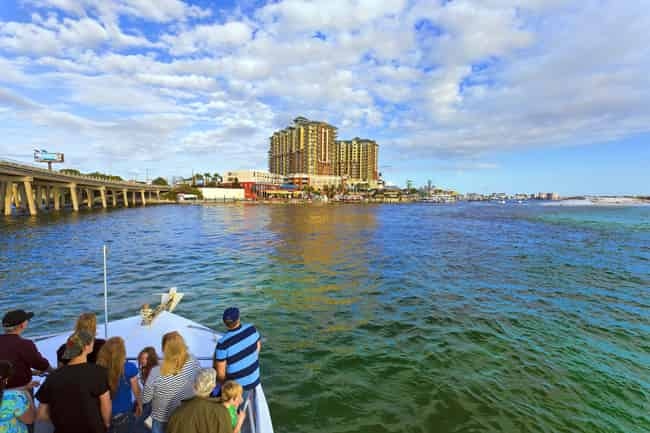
170,383
123,383
86,322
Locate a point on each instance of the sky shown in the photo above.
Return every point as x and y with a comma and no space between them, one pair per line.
474,95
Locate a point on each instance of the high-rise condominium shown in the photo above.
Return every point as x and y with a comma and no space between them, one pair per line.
310,147
306,147
357,159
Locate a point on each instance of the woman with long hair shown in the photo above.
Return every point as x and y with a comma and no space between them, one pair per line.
123,383
171,382
147,360
16,406
85,322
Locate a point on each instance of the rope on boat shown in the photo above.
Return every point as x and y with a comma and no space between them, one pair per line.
168,302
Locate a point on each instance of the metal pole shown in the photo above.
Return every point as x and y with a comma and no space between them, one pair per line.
105,297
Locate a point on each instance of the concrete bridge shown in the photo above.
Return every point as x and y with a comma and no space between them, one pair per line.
31,189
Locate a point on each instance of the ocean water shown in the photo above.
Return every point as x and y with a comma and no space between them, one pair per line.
381,318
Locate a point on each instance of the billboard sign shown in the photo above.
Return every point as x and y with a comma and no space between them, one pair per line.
45,156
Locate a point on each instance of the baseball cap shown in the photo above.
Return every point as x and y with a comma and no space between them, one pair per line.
76,343
16,317
231,314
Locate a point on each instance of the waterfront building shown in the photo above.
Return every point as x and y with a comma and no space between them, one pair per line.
309,148
357,159
306,147
254,182
318,182
223,193
547,196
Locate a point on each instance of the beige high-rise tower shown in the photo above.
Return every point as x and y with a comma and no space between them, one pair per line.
306,147
357,159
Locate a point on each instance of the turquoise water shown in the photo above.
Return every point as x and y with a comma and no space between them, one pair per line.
415,318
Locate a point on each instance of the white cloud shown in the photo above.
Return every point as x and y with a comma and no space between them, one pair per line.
194,82
152,10
305,16
205,38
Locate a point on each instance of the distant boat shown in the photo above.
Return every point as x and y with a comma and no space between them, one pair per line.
139,333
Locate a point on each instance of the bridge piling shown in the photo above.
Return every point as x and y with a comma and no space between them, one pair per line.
8,197
29,195
3,188
144,202
56,195
74,197
126,198
89,198
102,193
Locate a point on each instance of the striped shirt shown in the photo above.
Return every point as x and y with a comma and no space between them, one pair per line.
166,392
238,347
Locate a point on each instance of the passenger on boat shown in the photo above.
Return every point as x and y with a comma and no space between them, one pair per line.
236,356
76,397
86,322
123,383
147,360
16,405
201,414
21,352
171,382
231,398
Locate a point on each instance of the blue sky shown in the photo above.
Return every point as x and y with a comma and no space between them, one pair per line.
491,95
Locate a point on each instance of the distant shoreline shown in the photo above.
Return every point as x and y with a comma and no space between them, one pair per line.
601,201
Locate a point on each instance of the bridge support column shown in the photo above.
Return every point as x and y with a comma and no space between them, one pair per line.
144,202
126,198
102,192
48,194
18,198
3,186
158,195
27,185
38,196
8,197
90,198
74,197
56,195
114,197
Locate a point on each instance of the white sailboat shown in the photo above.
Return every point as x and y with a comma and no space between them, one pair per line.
147,329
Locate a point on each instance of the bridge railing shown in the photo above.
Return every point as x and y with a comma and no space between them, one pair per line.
31,166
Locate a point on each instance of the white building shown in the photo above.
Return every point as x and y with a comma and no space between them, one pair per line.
254,176
222,193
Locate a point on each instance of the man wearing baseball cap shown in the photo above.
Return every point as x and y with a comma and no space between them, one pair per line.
237,354
22,352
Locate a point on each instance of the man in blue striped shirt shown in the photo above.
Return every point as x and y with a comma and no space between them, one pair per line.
237,354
